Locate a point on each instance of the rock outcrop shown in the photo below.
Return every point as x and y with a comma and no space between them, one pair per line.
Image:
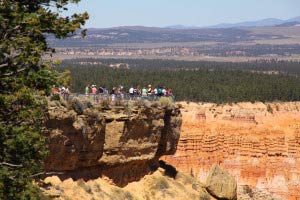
121,143
156,186
220,184
258,143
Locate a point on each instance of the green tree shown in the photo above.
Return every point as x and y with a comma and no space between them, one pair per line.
65,78
24,80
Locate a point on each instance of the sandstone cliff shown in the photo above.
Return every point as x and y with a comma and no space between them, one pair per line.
258,143
122,143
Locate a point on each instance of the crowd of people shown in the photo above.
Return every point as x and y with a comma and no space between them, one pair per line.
63,91
134,92
150,91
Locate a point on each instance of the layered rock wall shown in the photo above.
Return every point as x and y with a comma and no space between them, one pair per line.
257,143
121,143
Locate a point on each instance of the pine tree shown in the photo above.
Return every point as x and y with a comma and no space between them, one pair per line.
24,80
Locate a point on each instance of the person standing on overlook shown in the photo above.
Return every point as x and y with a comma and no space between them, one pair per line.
149,90
87,90
54,90
113,94
144,92
159,91
155,93
66,94
164,91
94,92
131,92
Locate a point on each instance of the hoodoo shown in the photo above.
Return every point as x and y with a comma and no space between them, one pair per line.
258,143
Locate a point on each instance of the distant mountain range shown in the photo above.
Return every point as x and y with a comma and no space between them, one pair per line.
220,33
289,24
260,23
178,26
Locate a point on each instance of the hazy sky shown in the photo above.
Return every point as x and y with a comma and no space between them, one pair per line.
160,13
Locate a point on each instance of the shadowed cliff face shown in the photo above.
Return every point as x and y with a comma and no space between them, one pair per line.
257,143
107,142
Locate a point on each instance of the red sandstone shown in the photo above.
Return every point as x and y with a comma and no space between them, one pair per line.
258,147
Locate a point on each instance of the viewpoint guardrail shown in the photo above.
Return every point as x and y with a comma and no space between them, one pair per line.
98,98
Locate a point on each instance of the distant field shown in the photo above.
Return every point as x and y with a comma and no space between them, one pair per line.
229,44
162,44
284,31
184,58
292,34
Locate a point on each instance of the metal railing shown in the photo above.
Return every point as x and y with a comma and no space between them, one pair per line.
98,98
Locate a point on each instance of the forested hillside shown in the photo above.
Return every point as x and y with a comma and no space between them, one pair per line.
194,81
283,67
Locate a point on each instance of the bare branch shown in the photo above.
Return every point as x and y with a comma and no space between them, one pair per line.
3,65
10,165
45,174
7,74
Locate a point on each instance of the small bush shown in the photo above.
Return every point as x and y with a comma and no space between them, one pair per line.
55,97
97,188
105,104
87,104
166,101
63,102
128,196
120,194
119,102
248,191
195,187
179,105
54,104
128,110
33,192
78,106
192,173
85,187
186,179
155,104
161,184
139,103
269,108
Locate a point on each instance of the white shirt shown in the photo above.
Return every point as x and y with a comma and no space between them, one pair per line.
131,90
164,91
63,89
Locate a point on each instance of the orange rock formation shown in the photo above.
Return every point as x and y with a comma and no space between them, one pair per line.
258,143
101,141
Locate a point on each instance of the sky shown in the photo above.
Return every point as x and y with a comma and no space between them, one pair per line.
162,13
